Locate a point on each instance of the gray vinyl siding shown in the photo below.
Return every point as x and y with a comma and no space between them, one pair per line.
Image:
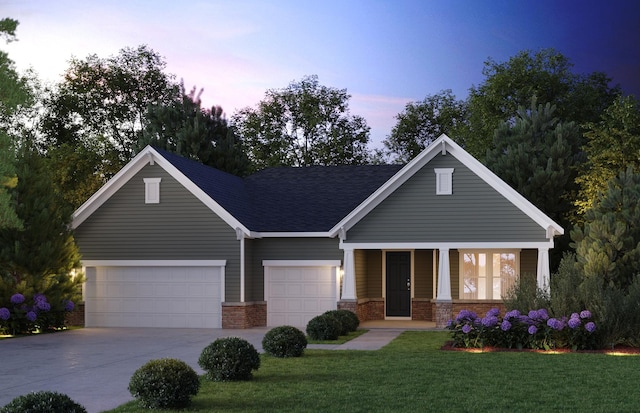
286,249
475,212
180,227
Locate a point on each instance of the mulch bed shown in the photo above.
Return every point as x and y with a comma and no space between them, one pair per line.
626,350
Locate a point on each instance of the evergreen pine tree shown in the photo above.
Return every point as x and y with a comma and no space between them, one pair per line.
537,156
608,244
40,258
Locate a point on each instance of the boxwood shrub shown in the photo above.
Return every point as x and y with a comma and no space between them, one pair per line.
43,402
284,341
348,320
324,327
164,383
229,359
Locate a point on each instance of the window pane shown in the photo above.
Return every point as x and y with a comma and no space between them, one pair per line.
504,267
475,276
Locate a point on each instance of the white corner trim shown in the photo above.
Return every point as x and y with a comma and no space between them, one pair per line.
154,263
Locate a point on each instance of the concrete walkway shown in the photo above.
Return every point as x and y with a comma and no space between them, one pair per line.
93,366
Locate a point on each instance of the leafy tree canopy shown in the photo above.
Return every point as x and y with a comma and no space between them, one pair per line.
185,128
547,75
422,122
303,124
613,144
14,92
105,100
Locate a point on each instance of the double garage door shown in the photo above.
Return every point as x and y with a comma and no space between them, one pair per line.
297,291
154,296
191,296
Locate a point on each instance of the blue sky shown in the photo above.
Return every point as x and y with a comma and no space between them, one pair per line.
385,53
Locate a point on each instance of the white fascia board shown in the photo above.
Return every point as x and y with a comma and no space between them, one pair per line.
444,144
504,189
391,185
154,263
146,156
202,196
123,176
444,245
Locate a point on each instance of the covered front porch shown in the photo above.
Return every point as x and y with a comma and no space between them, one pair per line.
432,283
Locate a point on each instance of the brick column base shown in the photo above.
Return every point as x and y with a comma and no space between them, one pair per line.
244,315
75,318
444,313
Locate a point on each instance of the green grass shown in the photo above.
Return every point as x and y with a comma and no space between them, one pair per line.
340,340
412,374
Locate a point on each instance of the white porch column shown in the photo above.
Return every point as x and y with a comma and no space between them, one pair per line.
349,276
543,269
444,277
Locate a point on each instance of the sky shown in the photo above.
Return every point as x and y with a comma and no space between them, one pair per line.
385,53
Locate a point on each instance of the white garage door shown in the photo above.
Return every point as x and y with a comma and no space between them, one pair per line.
147,296
296,293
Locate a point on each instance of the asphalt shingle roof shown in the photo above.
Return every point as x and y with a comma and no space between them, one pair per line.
287,199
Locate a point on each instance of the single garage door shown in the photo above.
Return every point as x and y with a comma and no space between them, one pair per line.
150,296
295,293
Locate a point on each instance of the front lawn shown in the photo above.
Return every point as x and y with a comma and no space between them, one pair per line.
412,374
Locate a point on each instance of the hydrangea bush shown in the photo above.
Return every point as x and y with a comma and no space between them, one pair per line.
22,316
534,330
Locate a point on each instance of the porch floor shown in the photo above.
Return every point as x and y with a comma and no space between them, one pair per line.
399,324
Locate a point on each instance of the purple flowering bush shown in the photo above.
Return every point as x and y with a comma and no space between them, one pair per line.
534,330
23,316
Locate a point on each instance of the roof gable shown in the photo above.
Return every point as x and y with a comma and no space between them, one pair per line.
315,200
178,168
444,145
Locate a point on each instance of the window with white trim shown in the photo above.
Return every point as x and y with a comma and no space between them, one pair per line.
444,181
487,275
152,190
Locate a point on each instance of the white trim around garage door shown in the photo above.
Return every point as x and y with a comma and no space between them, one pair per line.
305,298
102,307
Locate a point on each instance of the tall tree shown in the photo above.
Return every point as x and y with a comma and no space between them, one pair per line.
537,155
105,100
546,74
613,144
608,243
40,258
14,92
94,119
185,128
422,122
303,124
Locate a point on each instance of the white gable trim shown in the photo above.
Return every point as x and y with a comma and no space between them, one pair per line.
446,146
146,156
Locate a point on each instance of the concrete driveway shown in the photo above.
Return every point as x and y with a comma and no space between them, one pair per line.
93,366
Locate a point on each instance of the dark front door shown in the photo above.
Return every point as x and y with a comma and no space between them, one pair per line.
398,284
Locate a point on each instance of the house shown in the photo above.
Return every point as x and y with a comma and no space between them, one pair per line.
169,242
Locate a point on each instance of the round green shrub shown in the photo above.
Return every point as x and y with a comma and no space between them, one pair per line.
284,341
43,402
324,327
349,320
164,383
229,359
